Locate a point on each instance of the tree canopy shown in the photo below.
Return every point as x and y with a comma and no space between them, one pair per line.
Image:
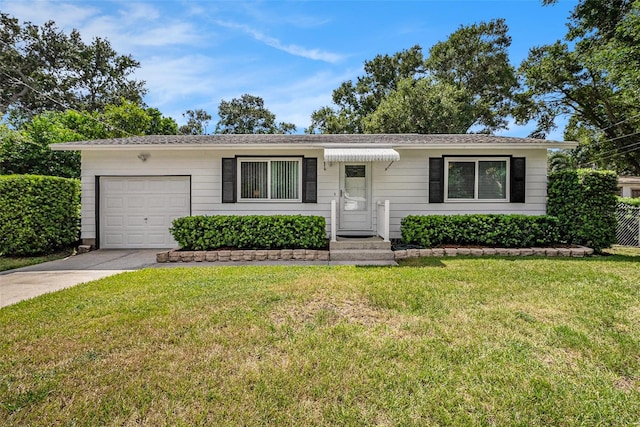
592,78
44,69
466,82
197,121
248,114
26,150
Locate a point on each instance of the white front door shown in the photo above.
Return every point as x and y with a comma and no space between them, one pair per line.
355,198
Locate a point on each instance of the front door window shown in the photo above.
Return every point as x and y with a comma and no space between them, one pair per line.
355,197
355,188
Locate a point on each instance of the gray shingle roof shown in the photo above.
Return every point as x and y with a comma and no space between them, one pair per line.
319,139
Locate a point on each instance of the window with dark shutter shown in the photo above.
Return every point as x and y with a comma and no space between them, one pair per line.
310,180
229,178
518,179
436,180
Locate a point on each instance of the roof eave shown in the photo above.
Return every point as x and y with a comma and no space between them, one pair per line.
138,147
279,146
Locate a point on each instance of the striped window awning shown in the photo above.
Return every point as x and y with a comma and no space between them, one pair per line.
361,155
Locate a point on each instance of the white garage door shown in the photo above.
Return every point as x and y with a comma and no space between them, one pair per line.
136,212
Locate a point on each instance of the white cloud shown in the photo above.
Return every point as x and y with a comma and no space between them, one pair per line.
315,54
140,11
173,34
66,15
128,26
171,80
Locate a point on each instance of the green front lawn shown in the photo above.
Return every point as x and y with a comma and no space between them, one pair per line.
442,341
11,262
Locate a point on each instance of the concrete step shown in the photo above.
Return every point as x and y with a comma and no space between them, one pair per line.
361,255
359,244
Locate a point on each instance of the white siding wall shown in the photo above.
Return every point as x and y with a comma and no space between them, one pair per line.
204,167
405,183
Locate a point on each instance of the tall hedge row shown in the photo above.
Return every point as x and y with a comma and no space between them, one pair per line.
249,232
584,201
38,214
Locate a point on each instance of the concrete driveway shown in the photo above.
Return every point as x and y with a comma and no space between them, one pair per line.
28,282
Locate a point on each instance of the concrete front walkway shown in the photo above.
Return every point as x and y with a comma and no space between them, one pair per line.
28,282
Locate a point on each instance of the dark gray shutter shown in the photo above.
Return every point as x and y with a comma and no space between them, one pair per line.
229,179
436,180
310,180
518,179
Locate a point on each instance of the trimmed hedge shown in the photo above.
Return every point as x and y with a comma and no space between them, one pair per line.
201,233
507,231
38,214
584,201
630,201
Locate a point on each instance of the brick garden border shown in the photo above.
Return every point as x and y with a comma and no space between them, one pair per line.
577,252
317,255
243,255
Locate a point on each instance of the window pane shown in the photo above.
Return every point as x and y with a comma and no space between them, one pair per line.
354,171
253,180
355,188
492,179
284,179
461,181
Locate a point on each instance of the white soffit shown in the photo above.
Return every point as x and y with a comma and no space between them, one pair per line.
361,155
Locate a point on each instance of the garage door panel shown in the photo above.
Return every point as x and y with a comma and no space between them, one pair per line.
114,221
135,221
157,221
156,202
136,212
114,202
135,239
114,239
174,186
179,202
136,203
137,186
156,238
115,185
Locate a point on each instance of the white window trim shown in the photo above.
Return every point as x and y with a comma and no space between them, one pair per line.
268,160
476,160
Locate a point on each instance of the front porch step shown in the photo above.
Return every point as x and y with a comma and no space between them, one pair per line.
361,255
360,244
361,251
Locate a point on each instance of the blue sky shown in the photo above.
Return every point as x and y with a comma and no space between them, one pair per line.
293,54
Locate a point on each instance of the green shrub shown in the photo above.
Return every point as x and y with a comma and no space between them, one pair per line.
507,231
249,232
38,214
584,201
629,201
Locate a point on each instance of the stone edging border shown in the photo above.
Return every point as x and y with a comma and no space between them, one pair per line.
242,255
578,252
317,255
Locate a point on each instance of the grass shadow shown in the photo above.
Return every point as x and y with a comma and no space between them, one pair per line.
435,262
